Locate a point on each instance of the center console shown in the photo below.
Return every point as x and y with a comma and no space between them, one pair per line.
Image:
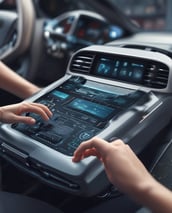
109,92
81,109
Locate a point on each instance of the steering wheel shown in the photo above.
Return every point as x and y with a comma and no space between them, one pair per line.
16,30
74,30
77,29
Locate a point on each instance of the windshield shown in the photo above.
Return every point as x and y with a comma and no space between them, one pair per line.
147,14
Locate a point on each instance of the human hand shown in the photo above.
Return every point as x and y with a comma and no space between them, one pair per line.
13,113
122,166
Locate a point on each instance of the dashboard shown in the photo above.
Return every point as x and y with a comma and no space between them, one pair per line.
105,92
74,30
136,70
96,31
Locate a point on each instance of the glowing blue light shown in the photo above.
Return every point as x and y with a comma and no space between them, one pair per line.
115,32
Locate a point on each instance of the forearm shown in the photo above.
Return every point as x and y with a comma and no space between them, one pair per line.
154,196
13,83
127,173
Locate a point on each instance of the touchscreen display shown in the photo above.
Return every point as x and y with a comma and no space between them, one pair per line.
60,94
120,69
92,108
81,109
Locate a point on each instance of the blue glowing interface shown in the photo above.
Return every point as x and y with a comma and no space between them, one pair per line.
81,109
95,109
120,69
60,94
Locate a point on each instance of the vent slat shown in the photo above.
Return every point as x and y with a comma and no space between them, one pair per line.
157,78
82,63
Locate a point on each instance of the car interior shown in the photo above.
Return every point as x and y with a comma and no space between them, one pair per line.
105,69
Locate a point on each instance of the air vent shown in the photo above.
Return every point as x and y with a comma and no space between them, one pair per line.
156,75
82,63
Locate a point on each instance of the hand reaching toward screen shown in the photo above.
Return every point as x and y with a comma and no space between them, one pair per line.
14,113
127,173
122,166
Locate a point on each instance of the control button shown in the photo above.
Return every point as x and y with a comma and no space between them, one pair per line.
63,129
93,120
84,117
36,126
85,135
73,144
52,138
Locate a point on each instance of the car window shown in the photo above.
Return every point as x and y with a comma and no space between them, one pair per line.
147,14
